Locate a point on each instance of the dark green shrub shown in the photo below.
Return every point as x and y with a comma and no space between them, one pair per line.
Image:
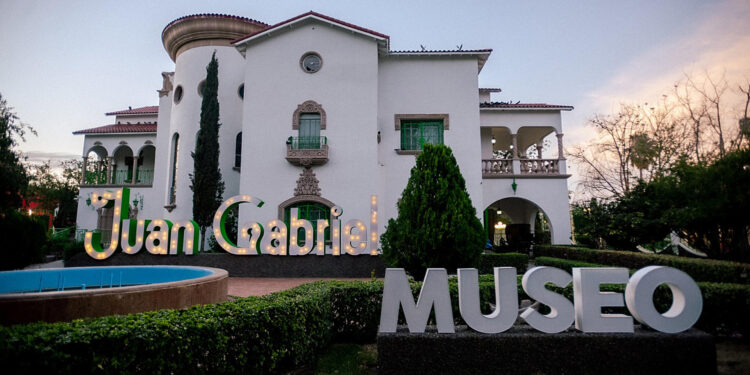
436,225
72,248
563,264
699,269
517,260
272,334
23,240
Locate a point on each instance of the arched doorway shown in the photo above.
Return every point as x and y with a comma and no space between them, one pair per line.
515,223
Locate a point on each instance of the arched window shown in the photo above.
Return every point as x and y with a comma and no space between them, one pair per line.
238,150
172,197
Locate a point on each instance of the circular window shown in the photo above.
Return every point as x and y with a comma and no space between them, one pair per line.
311,62
241,91
177,94
201,87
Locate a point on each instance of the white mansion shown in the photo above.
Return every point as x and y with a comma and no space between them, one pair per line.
317,112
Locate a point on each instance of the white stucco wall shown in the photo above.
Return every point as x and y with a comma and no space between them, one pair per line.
514,120
346,87
414,85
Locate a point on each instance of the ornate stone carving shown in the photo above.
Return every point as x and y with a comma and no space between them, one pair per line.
309,106
307,157
166,85
307,183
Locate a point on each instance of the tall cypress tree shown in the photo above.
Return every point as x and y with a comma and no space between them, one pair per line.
205,180
436,225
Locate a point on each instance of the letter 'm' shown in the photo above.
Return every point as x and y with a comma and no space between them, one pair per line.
397,293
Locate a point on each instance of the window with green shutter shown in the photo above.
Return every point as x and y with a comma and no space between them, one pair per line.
310,211
416,133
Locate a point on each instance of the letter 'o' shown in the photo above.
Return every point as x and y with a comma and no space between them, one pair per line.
687,301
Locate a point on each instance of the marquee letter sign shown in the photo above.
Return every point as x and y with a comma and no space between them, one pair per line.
161,237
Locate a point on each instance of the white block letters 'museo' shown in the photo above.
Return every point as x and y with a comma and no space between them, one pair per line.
586,311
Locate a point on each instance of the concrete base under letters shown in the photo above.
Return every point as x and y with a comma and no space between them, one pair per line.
310,265
523,350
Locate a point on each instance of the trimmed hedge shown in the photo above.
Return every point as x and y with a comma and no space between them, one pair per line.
719,271
272,334
564,264
251,335
518,260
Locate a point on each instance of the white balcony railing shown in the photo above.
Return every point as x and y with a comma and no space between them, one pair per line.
499,168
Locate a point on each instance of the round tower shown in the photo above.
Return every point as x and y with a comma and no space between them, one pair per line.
190,42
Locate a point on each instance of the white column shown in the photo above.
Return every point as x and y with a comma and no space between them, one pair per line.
135,169
110,169
561,164
516,163
83,170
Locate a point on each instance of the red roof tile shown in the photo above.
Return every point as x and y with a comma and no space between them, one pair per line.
154,109
120,128
315,14
502,105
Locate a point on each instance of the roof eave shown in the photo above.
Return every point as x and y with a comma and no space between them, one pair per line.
482,55
568,108
242,43
83,132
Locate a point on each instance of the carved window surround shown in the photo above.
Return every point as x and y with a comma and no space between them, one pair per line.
309,106
424,116
302,198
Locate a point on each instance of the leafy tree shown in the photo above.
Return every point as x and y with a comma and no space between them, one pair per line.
437,224
13,179
56,191
206,182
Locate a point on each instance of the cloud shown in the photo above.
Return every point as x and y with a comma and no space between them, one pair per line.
720,43
34,157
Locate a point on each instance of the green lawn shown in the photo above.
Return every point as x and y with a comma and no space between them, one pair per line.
348,359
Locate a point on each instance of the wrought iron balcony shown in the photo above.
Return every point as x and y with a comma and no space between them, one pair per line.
306,151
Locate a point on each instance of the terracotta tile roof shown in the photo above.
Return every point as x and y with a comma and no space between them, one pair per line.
543,106
153,109
214,15
318,15
120,128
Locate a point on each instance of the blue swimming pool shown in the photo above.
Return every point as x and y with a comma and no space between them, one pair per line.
85,278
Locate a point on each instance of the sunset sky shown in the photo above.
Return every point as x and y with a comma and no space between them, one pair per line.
66,63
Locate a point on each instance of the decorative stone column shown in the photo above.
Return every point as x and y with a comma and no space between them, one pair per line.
539,147
110,169
516,163
135,170
83,170
562,167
